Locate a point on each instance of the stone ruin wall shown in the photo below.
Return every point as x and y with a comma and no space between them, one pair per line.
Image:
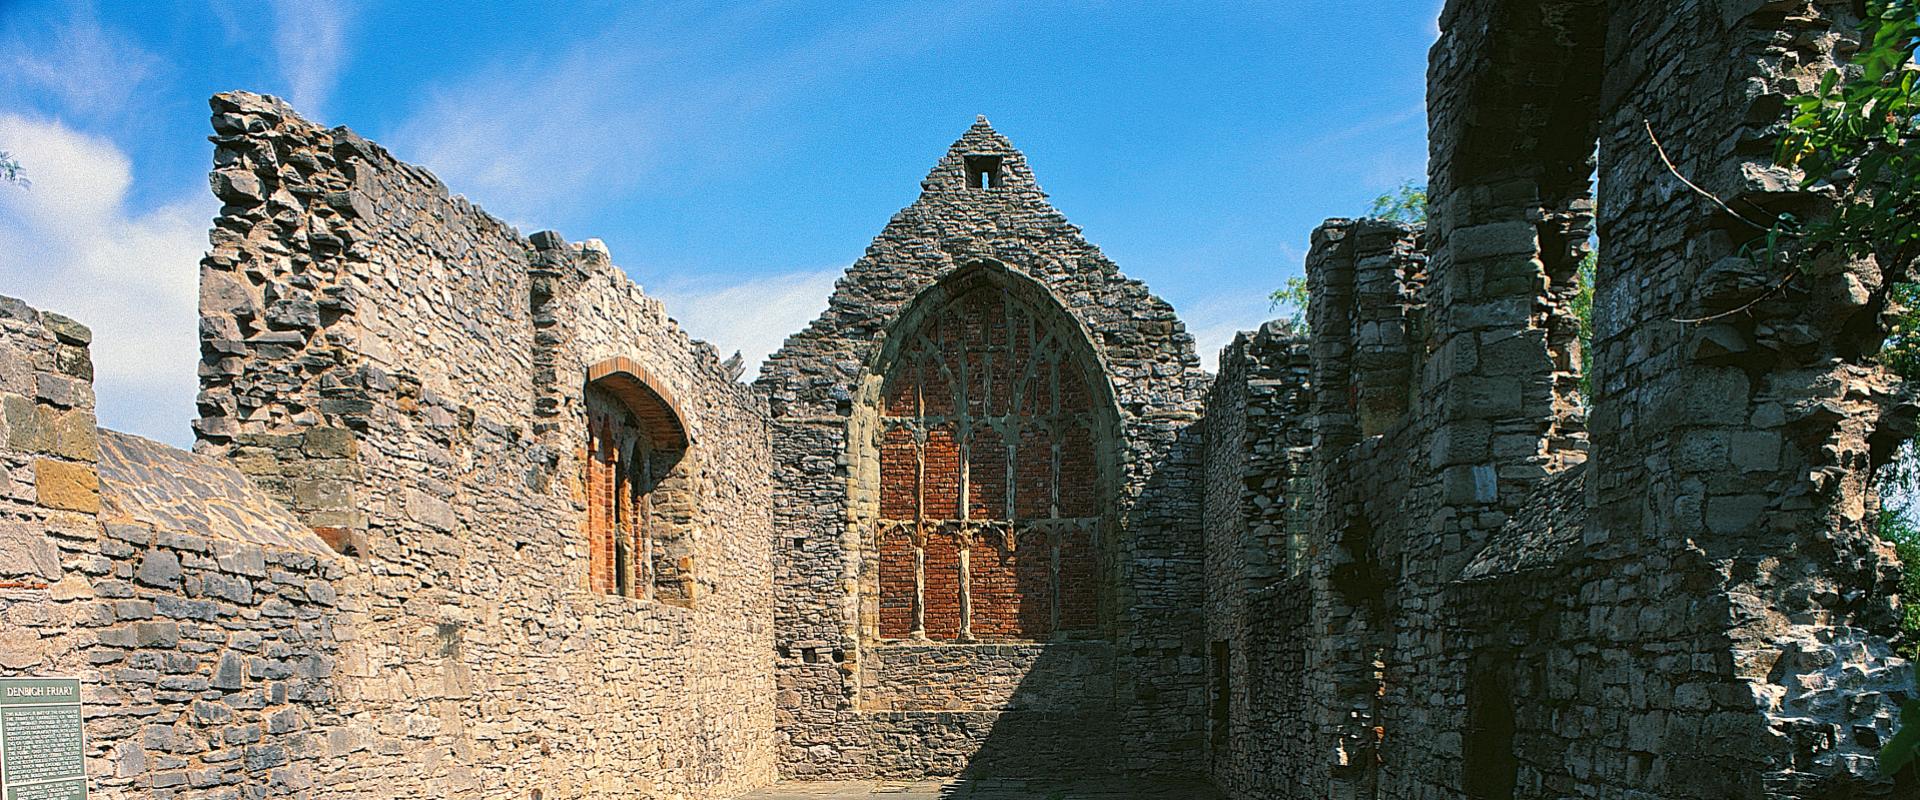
1687,602
198,615
852,705
407,374
1258,518
1748,441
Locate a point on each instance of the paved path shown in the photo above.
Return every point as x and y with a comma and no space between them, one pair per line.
984,789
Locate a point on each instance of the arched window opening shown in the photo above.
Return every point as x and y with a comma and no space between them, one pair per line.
639,507
990,490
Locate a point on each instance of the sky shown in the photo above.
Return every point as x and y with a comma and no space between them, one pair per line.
735,157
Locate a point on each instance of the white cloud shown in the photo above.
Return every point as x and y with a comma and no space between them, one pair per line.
71,244
753,316
309,43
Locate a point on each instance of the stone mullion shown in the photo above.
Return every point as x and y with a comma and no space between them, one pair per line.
1053,504
622,517
919,500
645,576
963,436
599,496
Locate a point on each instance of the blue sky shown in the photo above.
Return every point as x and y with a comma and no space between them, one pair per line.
734,157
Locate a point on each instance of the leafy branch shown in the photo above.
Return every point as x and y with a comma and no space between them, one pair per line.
11,172
1856,138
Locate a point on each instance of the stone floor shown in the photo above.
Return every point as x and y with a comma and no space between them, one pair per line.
985,789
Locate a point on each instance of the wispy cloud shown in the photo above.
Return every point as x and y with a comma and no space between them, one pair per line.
310,46
1215,318
72,244
82,66
652,98
753,316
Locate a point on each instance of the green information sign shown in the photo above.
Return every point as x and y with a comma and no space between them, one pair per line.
43,742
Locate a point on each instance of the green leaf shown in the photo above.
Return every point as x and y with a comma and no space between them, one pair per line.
1905,745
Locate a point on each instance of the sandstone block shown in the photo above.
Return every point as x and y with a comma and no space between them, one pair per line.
75,435
328,443
68,486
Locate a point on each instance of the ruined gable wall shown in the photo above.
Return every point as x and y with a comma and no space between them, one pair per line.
197,614
1156,695
407,372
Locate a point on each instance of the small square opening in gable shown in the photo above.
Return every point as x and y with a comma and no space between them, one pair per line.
983,172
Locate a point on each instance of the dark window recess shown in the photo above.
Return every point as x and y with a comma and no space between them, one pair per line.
1222,695
983,172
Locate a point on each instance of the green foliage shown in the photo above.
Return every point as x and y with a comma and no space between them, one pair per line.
1860,131
1406,204
1896,528
1901,750
1583,313
1295,295
10,171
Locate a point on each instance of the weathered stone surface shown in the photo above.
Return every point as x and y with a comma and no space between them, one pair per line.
27,552
66,485
1498,603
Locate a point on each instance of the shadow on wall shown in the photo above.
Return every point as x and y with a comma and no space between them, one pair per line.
1099,717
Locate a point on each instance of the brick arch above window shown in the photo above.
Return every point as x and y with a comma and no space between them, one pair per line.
646,396
640,502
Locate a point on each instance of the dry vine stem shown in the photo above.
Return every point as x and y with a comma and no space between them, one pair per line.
1744,307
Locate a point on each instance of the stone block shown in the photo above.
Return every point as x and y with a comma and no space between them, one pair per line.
75,435
62,390
328,443
66,485
1755,451
28,428
74,362
27,552
1517,238
322,493
21,649
66,329
160,568
430,511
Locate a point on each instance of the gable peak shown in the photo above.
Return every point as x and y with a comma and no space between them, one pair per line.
981,159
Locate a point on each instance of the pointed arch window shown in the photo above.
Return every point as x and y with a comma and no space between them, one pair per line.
639,506
990,479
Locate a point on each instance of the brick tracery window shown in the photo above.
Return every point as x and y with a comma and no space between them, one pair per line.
639,509
990,495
